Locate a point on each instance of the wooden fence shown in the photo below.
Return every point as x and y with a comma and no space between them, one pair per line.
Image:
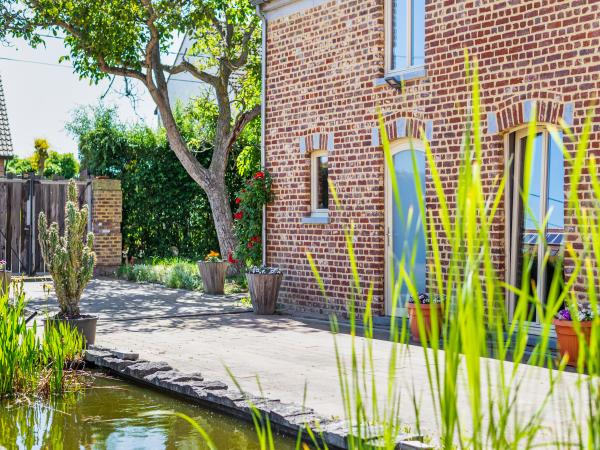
21,201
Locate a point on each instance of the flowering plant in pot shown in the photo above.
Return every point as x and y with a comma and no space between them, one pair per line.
426,307
571,324
4,277
212,271
70,259
263,284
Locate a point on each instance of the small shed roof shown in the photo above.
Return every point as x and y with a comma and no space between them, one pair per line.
6,148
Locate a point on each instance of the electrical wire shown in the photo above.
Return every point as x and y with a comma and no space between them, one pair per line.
65,66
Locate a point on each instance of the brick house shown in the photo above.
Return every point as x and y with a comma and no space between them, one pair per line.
330,63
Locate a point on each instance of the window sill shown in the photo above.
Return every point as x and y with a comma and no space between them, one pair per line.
399,76
316,219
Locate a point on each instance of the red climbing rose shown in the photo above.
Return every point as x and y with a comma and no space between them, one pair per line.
231,259
238,215
259,175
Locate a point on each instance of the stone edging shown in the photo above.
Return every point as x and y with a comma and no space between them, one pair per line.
287,418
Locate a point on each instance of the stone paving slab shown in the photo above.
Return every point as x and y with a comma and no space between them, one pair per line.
115,299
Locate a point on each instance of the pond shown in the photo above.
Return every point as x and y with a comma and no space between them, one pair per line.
113,414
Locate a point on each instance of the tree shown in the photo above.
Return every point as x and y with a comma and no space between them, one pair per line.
156,188
61,165
57,164
19,166
40,154
125,38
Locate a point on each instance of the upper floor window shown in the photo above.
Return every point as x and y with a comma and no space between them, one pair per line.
405,34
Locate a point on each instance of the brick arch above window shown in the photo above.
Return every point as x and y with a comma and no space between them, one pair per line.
520,112
403,127
315,141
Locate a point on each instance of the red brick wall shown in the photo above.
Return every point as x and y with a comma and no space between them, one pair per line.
322,64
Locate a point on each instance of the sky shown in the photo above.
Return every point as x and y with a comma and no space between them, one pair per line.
41,96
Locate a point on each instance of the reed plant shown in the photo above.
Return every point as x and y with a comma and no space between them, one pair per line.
478,366
28,364
480,362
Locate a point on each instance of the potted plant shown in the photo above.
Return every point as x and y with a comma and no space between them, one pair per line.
263,284
4,277
212,271
566,331
70,259
426,305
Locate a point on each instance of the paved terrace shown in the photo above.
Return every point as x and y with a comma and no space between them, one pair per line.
199,333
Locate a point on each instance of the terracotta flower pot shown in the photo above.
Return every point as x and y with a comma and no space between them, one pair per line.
426,313
568,342
213,276
86,325
4,281
264,290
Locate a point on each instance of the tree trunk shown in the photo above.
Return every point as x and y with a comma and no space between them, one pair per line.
221,210
211,181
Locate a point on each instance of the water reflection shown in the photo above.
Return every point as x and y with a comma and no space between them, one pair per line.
110,415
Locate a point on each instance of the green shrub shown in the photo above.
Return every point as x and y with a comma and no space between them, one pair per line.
182,276
145,274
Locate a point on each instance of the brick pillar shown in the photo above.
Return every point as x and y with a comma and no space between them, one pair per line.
107,209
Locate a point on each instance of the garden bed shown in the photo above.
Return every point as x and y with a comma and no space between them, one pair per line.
175,273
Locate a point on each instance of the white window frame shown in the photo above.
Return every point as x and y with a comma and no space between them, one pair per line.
389,41
513,139
314,178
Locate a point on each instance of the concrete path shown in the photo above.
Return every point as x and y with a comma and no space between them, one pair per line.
294,359
112,299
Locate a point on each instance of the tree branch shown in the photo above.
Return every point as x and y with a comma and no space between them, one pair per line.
121,71
240,123
152,42
241,60
186,66
102,64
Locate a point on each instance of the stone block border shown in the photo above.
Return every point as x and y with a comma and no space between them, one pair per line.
286,418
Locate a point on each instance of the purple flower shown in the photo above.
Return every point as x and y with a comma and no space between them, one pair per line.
564,314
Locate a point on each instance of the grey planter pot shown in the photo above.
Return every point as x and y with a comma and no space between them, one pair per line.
86,325
264,290
213,276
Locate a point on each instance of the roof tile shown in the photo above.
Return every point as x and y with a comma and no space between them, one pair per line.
6,148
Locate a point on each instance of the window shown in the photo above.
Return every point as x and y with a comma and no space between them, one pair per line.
405,35
536,252
319,182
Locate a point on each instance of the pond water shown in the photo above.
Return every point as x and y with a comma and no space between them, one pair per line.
112,414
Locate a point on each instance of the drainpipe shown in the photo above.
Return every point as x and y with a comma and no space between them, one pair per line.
263,109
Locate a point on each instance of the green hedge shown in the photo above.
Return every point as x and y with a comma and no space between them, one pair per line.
165,213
